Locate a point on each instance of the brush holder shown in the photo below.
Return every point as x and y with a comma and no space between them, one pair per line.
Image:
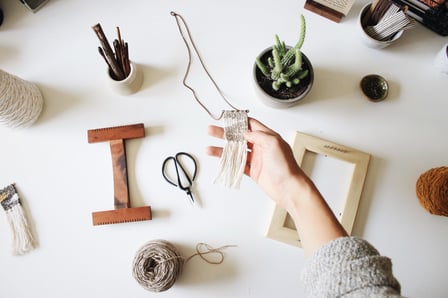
370,41
131,84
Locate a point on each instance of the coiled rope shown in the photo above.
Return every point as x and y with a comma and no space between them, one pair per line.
158,263
432,190
20,101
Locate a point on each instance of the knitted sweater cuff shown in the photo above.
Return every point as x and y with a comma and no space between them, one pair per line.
347,265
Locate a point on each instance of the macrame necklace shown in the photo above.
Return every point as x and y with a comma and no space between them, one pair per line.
233,160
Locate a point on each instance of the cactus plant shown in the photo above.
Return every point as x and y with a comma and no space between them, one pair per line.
285,65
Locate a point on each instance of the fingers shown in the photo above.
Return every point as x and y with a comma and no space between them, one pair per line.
217,152
255,125
216,131
259,138
214,151
248,163
256,134
247,169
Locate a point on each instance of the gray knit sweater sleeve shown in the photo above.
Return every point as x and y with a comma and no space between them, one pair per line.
349,267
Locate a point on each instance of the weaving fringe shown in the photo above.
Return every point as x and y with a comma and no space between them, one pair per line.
22,238
233,159
232,163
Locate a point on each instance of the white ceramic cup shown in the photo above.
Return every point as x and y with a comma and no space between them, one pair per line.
441,60
370,41
130,84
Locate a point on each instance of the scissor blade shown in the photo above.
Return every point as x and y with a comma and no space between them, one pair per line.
190,196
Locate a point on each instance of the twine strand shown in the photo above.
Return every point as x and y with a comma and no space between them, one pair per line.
158,263
20,101
184,35
204,249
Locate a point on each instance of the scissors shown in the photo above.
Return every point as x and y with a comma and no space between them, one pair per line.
184,180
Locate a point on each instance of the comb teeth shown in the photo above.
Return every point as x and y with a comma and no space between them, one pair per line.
116,132
121,215
105,129
118,221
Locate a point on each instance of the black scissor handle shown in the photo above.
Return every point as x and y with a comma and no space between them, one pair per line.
195,167
177,165
163,169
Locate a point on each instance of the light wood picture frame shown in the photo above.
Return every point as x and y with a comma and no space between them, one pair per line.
282,227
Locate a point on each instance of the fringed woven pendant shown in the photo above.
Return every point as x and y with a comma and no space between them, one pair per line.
233,160
22,238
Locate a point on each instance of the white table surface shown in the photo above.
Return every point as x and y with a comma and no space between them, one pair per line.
62,179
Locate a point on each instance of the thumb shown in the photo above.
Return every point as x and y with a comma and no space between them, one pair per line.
256,137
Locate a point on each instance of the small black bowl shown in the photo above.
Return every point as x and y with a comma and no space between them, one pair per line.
375,87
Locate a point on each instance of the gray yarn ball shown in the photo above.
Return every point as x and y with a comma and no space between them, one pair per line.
156,266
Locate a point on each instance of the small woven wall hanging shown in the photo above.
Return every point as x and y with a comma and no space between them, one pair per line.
432,190
234,155
22,238
233,160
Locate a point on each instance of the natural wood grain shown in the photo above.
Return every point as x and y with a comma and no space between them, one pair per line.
123,211
279,229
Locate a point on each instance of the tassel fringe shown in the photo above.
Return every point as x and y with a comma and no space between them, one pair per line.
233,160
22,238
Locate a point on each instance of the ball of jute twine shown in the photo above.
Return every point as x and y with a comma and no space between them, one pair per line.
432,190
158,263
21,102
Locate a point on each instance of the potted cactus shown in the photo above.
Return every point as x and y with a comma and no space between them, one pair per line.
283,75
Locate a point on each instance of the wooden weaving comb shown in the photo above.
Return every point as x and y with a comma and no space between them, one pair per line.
123,211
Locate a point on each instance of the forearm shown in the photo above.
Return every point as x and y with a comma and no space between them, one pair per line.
349,267
271,164
314,220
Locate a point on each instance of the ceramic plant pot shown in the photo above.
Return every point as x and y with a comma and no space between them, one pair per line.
284,97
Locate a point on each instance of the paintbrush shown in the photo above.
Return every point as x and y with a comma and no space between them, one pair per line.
101,51
118,55
126,62
108,53
123,54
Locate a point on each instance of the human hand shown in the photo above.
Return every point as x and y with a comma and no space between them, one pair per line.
271,164
270,160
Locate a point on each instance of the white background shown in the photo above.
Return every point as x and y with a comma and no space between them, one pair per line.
62,179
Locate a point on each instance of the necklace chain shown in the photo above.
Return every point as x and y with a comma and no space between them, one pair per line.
184,81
